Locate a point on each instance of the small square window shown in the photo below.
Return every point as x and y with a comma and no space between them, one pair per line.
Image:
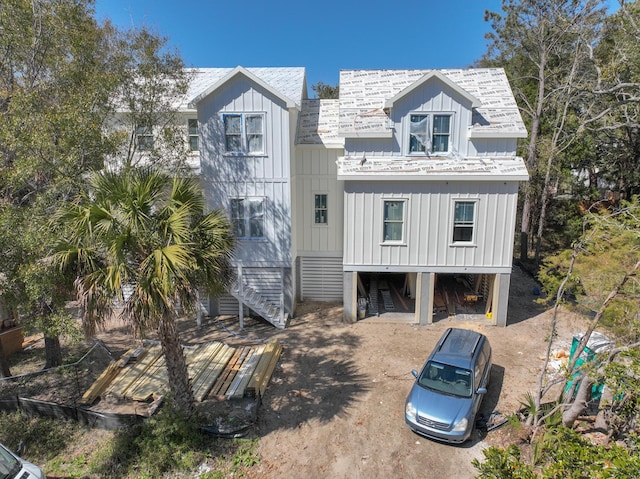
244,133
429,133
321,209
247,216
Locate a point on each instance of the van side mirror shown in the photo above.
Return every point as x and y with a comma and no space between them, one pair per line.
482,391
415,373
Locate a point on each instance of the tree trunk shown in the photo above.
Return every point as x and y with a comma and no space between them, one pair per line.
579,403
179,384
52,351
532,160
4,364
524,228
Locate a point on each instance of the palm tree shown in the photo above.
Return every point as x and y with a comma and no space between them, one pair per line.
144,231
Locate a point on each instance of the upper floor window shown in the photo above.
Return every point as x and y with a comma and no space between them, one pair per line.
429,133
192,127
244,133
463,221
144,137
321,209
247,216
393,222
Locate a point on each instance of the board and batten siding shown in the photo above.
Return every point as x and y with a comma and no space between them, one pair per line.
316,174
236,176
428,226
433,97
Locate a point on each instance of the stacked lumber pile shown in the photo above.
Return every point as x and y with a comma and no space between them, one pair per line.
216,371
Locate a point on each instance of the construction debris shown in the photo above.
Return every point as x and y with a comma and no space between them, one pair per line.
216,370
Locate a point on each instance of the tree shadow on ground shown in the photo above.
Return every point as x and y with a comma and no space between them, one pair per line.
315,378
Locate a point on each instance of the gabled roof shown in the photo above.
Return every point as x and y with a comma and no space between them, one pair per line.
475,103
286,83
364,95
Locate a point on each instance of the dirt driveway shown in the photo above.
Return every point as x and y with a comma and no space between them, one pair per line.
335,405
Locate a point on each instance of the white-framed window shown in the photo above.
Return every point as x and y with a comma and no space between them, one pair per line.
144,137
464,221
247,216
393,221
320,209
192,131
244,133
429,133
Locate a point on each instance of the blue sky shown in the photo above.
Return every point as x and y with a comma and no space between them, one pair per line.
323,36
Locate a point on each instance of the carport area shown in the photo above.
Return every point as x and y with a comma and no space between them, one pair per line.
392,296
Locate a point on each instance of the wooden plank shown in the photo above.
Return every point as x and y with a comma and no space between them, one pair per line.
201,362
217,366
106,377
202,382
269,371
100,384
262,368
230,371
133,371
155,381
239,385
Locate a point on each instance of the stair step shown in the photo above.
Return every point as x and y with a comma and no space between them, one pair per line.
386,299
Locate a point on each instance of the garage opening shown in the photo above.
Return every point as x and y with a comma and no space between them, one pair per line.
385,294
463,296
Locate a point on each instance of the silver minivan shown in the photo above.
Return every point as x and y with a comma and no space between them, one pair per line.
14,467
448,391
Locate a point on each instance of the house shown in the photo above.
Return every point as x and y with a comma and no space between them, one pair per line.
399,196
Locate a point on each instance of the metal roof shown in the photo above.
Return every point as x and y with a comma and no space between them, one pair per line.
288,81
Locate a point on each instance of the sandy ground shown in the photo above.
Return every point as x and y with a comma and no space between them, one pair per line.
335,404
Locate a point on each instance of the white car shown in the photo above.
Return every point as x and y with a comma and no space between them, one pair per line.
14,467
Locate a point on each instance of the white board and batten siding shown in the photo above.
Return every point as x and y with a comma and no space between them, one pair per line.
264,176
428,226
316,174
318,246
433,97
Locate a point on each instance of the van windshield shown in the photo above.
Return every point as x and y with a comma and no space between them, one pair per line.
446,379
9,465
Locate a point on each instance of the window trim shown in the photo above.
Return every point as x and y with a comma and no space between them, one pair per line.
191,135
244,134
402,240
247,221
473,224
430,116
316,209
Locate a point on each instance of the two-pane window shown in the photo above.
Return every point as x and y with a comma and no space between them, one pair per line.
321,209
192,127
393,222
247,216
429,133
463,221
244,133
144,137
